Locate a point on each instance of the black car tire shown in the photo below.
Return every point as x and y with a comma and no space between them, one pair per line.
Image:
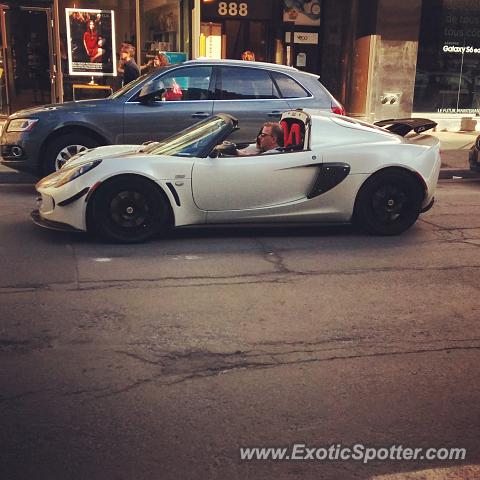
63,142
473,158
388,203
129,210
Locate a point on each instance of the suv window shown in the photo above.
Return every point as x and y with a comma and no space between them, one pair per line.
241,83
190,83
288,87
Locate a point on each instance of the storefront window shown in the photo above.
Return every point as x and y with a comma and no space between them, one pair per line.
120,25
160,28
448,63
229,29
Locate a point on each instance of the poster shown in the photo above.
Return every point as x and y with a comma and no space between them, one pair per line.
302,12
91,42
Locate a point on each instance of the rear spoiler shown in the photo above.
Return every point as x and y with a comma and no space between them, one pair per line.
403,126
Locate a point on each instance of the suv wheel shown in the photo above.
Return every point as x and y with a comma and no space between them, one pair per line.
63,148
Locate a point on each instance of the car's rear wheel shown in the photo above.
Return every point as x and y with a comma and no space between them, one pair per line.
129,210
63,148
388,203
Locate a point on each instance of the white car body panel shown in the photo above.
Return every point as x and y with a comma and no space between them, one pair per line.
272,187
238,183
333,206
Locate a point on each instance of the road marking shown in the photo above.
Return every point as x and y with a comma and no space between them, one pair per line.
187,257
102,260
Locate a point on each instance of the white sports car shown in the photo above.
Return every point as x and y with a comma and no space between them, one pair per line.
331,169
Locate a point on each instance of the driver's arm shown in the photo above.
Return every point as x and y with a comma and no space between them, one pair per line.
252,149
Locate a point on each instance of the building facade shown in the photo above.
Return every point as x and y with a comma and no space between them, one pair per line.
380,58
47,50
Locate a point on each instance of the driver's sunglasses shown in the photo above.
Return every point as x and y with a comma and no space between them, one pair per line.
262,134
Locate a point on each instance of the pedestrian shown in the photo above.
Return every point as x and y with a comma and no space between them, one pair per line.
248,55
127,64
160,60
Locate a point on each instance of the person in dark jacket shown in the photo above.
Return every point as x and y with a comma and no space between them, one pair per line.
127,65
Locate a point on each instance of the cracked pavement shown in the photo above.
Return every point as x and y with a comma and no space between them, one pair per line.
160,360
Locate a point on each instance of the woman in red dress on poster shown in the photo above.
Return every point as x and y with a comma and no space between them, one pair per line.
90,38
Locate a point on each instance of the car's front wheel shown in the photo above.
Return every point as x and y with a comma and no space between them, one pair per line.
63,148
388,203
129,210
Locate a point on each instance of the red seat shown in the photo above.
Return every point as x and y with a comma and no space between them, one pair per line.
291,136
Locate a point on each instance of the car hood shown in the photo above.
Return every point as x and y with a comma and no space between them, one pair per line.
60,107
103,153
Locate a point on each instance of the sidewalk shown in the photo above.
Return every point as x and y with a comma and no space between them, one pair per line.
454,147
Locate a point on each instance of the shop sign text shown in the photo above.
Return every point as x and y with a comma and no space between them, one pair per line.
452,49
232,9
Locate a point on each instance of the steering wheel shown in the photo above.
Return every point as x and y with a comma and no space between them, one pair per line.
225,149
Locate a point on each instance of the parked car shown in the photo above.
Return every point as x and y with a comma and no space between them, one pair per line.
331,169
159,105
473,156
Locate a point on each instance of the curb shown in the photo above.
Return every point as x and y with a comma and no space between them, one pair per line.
458,174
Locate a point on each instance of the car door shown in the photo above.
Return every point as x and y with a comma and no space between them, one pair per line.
182,98
224,184
250,95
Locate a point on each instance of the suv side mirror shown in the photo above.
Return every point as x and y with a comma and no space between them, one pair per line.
146,98
151,90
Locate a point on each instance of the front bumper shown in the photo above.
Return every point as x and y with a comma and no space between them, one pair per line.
20,151
62,206
50,224
25,166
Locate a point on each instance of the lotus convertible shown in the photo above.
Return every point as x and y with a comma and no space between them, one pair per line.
331,169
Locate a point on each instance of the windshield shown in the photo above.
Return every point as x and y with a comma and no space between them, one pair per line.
129,86
192,141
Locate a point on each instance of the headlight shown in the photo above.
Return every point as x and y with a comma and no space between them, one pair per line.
65,175
76,157
21,124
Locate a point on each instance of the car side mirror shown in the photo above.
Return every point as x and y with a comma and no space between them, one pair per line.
150,90
148,96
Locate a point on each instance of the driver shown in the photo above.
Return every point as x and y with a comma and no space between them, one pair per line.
269,138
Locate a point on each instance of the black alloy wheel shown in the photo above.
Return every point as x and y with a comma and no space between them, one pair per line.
129,210
388,203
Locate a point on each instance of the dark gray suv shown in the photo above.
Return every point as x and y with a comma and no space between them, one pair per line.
158,105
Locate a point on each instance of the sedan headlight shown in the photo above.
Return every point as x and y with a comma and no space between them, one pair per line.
65,174
21,124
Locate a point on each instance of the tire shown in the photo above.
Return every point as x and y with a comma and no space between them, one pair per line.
388,203
129,210
63,148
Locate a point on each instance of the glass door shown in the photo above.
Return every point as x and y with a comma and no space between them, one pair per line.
31,76
3,66
246,35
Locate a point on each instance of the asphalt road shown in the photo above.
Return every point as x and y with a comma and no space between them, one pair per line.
159,361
